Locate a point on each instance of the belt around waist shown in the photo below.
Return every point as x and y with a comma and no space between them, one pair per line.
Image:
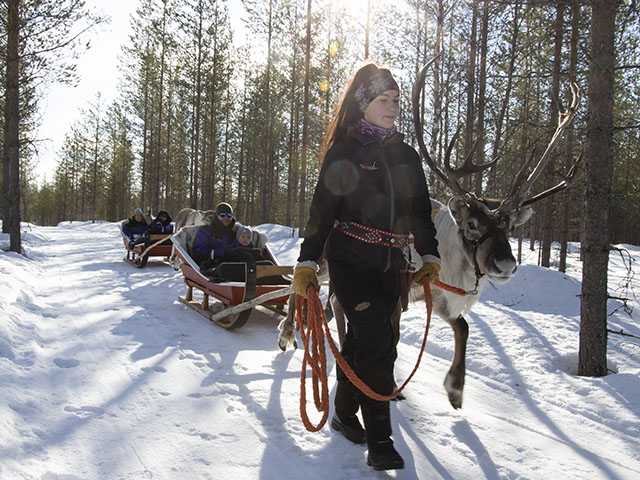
373,236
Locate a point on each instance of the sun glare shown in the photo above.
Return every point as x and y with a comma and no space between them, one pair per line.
357,7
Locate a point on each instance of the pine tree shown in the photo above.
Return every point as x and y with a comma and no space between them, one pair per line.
592,356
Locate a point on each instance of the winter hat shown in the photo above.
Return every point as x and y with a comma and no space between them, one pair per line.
244,231
379,82
166,214
223,207
137,211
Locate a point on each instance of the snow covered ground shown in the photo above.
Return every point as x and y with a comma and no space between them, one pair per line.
104,374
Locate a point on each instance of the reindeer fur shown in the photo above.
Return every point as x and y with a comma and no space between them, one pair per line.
188,217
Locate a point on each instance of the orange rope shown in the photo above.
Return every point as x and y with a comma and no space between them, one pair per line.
449,288
315,355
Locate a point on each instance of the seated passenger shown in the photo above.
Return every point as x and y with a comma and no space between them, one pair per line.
136,229
244,237
162,223
213,240
233,265
242,249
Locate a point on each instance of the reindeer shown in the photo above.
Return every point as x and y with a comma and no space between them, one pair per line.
188,217
473,235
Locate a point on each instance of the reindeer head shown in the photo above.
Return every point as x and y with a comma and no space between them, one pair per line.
208,216
485,224
485,236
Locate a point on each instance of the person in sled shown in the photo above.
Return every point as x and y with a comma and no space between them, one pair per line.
242,249
371,193
162,223
136,229
212,241
231,266
244,238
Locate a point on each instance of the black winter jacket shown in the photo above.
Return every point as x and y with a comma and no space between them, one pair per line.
376,184
158,226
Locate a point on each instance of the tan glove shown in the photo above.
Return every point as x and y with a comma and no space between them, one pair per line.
302,278
429,270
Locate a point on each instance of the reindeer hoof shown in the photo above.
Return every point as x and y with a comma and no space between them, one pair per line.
283,342
454,386
455,399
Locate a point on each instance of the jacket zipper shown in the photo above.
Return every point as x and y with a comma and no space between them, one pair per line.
391,203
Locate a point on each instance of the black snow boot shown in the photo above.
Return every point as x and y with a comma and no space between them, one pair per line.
377,421
350,428
383,456
345,420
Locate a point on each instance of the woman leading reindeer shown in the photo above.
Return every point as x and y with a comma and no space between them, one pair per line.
371,193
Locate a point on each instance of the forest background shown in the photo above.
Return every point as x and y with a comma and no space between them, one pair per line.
202,118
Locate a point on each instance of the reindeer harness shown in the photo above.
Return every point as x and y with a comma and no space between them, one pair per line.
476,244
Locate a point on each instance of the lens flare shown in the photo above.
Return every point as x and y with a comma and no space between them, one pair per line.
323,86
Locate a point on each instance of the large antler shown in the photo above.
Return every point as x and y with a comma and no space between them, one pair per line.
522,183
520,186
452,175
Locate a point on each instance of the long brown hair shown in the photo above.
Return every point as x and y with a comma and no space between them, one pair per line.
348,112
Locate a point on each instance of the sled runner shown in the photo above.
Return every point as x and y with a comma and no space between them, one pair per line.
238,287
139,255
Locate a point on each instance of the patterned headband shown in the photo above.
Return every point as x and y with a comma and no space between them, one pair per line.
379,82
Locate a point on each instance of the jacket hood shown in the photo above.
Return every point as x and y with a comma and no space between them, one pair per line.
168,221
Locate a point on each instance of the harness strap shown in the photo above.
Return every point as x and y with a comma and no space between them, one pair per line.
371,235
476,265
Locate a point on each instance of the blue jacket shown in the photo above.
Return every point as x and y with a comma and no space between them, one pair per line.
205,241
237,245
159,228
132,227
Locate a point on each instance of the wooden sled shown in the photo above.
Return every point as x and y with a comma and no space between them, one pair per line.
238,299
139,255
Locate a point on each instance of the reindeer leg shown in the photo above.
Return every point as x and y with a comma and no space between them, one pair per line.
173,258
287,326
454,380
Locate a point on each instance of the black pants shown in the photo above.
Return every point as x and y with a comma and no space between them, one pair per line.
369,298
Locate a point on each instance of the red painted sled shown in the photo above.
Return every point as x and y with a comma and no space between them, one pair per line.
264,284
139,255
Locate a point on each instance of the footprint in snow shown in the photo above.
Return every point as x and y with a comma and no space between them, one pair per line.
66,362
86,411
154,369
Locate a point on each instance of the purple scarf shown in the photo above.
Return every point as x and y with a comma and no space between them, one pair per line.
369,130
